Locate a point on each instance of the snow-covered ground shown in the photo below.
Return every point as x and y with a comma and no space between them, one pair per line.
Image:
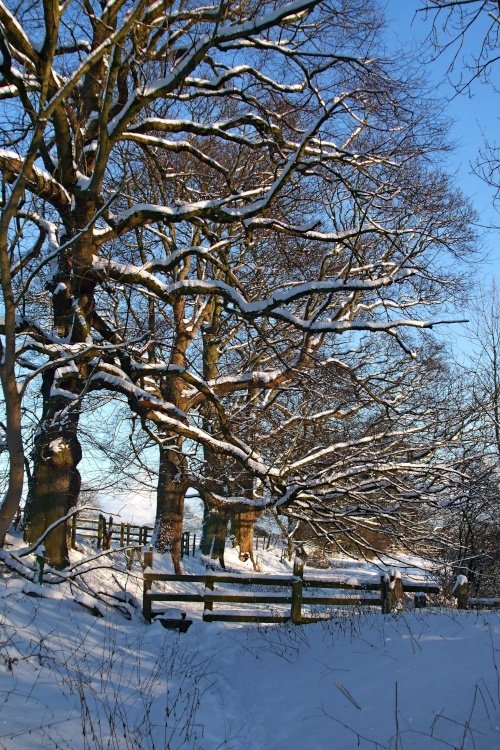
412,681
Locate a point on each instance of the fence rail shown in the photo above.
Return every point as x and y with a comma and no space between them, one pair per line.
106,531
266,541
387,593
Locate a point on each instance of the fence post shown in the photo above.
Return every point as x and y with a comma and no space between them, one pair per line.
461,592
208,605
122,535
391,590
185,543
146,601
420,600
297,585
73,531
144,535
128,534
194,544
107,533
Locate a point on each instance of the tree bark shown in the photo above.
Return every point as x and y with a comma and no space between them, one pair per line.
13,433
55,483
242,524
214,533
12,498
171,493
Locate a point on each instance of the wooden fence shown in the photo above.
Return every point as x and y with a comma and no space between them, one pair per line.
188,544
106,531
296,592
266,541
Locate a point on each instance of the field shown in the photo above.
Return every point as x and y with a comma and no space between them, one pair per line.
415,680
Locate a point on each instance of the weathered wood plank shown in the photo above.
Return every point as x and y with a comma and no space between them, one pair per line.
220,578
252,597
229,617
484,603
342,600
326,583
152,575
408,586
174,597
425,587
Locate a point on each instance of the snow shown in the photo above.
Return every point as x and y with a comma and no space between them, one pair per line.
272,306
45,176
82,181
62,393
116,380
58,445
418,680
69,369
61,287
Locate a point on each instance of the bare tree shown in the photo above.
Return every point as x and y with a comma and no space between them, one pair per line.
481,363
178,155
471,526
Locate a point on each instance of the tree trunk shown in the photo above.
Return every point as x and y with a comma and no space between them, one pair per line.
13,433
55,482
242,524
12,498
213,540
171,492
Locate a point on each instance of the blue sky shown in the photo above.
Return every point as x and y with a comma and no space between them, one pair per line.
474,115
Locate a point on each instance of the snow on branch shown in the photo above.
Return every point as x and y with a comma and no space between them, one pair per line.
38,180
190,59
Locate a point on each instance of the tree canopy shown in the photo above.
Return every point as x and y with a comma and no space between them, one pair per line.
232,217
